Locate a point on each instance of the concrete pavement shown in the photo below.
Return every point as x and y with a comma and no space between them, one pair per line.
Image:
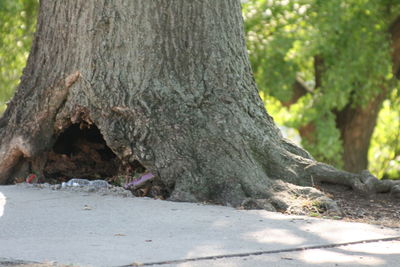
88,229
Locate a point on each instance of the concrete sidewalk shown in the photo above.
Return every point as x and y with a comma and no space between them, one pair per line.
42,225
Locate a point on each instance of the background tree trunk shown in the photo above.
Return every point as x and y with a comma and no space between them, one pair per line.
356,124
165,85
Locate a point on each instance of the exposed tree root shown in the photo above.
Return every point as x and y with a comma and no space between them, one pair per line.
293,199
363,182
289,198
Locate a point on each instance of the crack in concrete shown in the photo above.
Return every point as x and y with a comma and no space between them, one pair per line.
8,262
257,253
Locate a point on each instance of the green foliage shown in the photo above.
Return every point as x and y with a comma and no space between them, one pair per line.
286,39
17,20
384,154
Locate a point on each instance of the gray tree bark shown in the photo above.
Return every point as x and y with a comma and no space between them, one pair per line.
168,85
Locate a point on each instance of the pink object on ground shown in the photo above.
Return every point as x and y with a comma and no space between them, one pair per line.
138,181
31,178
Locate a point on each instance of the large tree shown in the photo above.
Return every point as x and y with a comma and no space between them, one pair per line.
165,86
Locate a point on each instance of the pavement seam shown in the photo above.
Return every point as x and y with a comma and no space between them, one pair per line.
257,253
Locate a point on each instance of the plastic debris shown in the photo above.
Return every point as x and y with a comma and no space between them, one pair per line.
87,207
139,181
77,182
32,178
99,183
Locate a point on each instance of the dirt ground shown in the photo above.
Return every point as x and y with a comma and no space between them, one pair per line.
381,209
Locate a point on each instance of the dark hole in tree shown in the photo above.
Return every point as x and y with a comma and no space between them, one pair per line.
81,152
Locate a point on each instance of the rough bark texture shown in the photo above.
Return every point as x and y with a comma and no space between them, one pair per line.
168,85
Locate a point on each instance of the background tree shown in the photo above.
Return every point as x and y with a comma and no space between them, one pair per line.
327,67
164,87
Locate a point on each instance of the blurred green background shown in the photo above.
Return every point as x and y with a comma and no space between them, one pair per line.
17,25
338,51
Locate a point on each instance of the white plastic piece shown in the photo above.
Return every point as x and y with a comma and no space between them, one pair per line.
77,182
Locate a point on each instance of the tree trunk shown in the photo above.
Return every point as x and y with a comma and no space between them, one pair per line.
356,126
164,85
395,34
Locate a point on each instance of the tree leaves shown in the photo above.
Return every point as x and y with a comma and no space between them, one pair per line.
17,20
285,38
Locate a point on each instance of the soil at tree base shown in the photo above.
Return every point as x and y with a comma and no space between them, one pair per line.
381,209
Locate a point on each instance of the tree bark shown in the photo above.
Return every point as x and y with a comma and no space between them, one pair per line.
168,86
